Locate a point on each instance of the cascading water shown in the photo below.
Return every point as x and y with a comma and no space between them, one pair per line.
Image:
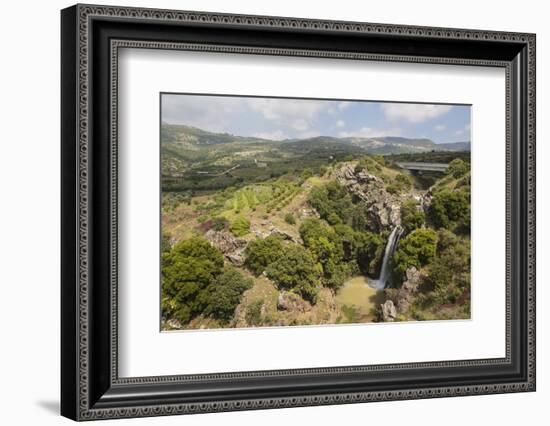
391,245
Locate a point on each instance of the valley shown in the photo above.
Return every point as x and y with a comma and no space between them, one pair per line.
261,233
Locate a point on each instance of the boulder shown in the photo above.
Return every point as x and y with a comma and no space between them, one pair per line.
292,302
389,313
262,232
231,247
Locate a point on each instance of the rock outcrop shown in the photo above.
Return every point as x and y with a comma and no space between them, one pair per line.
405,294
389,313
292,302
231,247
271,230
383,208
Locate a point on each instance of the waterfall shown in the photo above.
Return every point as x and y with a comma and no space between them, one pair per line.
391,245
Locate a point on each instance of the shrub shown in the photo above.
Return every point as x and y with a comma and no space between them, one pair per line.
187,269
458,168
451,210
223,295
254,313
412,217
295,270
366,248
259,254
334,219
289,218
331,199
240,226
416,249
448,277
327,249
403,181
306,174
165,245
219,223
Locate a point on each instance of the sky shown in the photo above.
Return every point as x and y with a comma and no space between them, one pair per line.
280,118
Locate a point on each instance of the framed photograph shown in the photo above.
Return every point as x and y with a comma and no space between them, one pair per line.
263,212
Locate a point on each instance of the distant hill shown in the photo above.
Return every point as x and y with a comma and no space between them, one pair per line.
180,138
454,146
179,132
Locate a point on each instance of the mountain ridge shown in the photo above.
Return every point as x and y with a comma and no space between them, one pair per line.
181,133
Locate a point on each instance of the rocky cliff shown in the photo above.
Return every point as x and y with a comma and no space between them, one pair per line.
383,208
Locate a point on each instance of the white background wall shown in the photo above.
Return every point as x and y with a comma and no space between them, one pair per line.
29,212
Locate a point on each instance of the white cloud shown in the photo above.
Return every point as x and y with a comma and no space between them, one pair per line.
340,123
369,132
464,131
414,113
276,135
287,110
205,112
440,127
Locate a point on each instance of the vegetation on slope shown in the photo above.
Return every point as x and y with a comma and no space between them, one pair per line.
324,236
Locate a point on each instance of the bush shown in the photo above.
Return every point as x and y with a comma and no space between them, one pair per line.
327,249
240,227
359,219
165,245
306,174
295,270
334,219
399,184
187,269
289,218
448,279
451,210
259,254
219,223
366,248
331,199
254,313
416,249
223,295
458,168
412,217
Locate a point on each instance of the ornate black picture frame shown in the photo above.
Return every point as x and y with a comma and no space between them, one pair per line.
91,36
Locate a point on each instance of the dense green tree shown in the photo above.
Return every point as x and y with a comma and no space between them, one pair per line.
360,220
412,217
416,249
187,269
360,248
296,270
451,210
223,294
448,279
259,254
327,247
331,199
367,245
